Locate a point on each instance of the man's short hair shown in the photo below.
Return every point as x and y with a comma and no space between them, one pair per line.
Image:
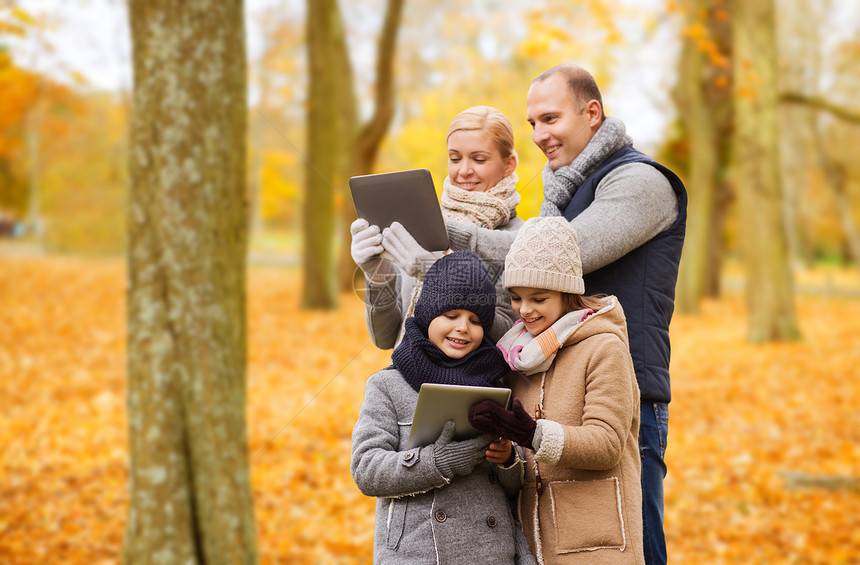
580,82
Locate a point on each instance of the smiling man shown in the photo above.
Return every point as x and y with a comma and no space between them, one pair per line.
629,213
563,120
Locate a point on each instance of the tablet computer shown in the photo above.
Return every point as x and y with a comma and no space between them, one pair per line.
407,197
438,403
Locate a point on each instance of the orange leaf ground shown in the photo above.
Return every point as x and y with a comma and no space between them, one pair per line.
764,441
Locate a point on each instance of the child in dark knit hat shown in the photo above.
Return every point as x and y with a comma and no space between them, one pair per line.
446,502
581,501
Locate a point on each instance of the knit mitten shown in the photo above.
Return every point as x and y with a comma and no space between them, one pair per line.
401,249
458,457
366,245
516,424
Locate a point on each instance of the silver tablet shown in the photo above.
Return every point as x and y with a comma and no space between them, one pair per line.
407,197
439,403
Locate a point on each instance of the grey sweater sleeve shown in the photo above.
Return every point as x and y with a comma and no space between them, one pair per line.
505,316
385,306
378,467
632,204
489,245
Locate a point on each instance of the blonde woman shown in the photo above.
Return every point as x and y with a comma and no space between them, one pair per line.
480,189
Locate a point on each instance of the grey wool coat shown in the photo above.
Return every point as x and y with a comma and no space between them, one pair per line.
423,517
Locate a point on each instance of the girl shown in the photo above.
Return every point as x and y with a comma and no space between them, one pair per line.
480,188
441,503
581,501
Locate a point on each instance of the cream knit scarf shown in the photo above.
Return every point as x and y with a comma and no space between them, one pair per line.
560,185
489,209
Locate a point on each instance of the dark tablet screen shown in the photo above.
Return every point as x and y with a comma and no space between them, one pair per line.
407,197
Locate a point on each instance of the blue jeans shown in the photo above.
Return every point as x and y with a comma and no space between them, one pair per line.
653,431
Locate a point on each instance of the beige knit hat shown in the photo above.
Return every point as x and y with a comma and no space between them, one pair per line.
545,254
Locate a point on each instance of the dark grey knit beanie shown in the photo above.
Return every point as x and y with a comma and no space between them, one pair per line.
458,281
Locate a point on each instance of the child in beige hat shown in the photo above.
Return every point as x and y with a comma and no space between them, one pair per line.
582,498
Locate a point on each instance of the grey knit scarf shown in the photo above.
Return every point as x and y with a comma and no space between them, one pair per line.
560,185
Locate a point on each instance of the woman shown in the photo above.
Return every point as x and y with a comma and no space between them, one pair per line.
480,188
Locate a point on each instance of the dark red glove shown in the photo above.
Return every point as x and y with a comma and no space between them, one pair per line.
516,424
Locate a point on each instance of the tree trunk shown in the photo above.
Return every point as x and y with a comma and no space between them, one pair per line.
836,181
34,205
372,133
255,189
802,106
723,199
327,134
347,110
799,28
770,294
702,94
190,498
34,191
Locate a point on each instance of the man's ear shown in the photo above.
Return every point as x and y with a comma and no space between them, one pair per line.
595,113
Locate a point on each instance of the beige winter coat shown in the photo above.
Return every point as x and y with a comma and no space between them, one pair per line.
587,507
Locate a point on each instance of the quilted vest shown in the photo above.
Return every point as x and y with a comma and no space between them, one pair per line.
643,280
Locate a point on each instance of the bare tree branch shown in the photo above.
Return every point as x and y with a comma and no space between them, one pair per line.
372,132
820,103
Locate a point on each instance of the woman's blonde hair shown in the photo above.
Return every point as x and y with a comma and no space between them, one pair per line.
490,120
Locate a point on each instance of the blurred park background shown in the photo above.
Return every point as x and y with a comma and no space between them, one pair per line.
764,445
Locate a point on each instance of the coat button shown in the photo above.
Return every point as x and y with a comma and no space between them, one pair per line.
492,521
440,516
408,456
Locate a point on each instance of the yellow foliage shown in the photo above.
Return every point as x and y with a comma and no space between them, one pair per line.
79,78
542,38
24,16
8,28
280,192
746,92
20,93
747,421
420,141
764,440
696,31
604,15
675,6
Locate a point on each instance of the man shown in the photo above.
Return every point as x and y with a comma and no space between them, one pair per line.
629,213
